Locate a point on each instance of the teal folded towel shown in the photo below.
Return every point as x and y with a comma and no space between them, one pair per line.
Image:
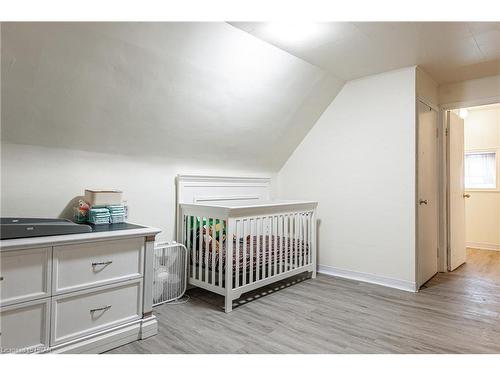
116,209
99,215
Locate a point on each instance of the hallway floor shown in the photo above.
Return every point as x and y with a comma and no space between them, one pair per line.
481,263
457,312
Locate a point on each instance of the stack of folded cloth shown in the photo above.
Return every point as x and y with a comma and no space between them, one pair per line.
117,213
98,215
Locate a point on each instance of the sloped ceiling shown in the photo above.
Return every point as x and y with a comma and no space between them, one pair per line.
184,90
448,51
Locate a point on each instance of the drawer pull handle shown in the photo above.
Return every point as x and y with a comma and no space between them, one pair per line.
100,309
94,264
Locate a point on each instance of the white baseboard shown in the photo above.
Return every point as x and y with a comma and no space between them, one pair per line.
109,339
483,246
368,278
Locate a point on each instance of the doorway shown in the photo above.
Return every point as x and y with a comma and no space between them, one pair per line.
473,193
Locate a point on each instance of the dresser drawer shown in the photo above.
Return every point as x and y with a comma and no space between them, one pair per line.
24,275
86,265
81,313
25,326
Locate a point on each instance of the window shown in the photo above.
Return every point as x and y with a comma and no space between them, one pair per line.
480,170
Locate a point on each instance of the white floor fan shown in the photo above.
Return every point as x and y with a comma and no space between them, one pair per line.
170,272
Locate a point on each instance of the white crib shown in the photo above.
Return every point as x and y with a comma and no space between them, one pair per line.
267,241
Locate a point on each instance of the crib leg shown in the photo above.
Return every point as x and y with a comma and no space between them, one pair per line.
313,274
228,304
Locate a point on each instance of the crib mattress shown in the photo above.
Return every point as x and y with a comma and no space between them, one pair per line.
297,251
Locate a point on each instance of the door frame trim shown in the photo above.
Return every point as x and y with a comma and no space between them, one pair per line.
445,232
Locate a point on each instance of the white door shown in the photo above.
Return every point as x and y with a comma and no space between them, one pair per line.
456,191
427,194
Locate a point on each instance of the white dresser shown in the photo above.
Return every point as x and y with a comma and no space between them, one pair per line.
78,293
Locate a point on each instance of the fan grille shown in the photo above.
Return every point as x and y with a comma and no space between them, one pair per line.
169,272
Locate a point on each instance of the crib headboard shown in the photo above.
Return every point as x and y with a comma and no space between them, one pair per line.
219,190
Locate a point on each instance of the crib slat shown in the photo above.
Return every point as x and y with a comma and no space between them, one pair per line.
194,252
309,238
268,246
188,242
214,251
301,241
275,245
280,235
228,277
305,258
258,244
304,243
194,247
221,270
277,260
312,240
207,248
299,236
263,248
291,241
251,268
237,250
297,244
295,241
244,245
200,249
306,237
297,259
285,242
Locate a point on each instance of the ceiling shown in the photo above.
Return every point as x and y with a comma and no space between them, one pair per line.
208,91
198,91
448,51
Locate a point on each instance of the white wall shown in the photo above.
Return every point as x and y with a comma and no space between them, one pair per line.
474,92
358,161
426,87
482,132
40,182
143,102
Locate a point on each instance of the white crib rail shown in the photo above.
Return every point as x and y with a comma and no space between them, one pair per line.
258,249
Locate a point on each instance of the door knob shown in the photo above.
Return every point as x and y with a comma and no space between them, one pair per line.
466,195
423,201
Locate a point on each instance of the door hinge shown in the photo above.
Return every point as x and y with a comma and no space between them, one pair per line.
438,252
446,132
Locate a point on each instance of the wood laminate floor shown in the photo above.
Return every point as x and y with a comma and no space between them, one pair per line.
457,312
481,263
